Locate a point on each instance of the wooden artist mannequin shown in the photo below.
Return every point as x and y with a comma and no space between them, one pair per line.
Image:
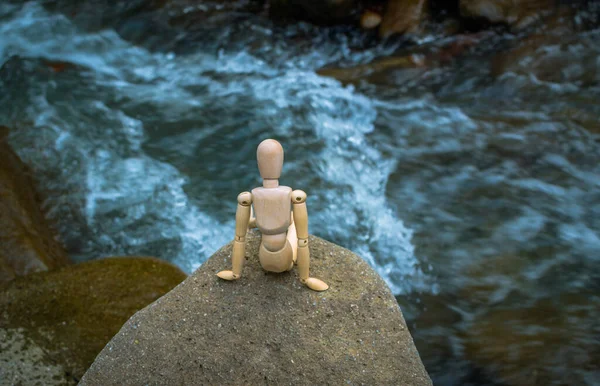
284,231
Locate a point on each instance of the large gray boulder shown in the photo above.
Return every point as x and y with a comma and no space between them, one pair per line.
267,329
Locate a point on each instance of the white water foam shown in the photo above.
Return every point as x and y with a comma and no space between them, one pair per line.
130,202
360,217
127,200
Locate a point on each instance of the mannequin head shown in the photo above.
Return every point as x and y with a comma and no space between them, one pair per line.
269,156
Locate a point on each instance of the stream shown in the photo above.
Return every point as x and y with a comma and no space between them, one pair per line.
471,184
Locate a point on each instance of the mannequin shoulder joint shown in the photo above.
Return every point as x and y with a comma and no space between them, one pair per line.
244,198
298,197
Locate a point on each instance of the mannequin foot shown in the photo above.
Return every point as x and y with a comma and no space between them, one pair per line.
316,284
228,275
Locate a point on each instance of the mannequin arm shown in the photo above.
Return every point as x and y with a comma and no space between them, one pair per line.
303,260
242,219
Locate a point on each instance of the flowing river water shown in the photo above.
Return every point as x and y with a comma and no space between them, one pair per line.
471,183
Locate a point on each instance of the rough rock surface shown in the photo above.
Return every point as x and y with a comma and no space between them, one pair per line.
26,242
53,324
267,329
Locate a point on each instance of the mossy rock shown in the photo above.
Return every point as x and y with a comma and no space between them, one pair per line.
267,329
53,324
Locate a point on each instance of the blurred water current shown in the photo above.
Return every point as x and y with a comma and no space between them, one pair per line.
452,182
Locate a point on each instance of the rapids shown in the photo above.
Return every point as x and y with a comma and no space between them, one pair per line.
472,187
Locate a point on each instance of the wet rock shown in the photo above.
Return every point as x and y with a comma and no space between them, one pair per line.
375,71
518,13
553,341
548,42
370,19
558,57
402,16
27,244
267,329
53,324
404,67
492,10
319,12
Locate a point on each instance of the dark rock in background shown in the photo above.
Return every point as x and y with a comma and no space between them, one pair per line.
516,13
319,12
27,244
403,16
